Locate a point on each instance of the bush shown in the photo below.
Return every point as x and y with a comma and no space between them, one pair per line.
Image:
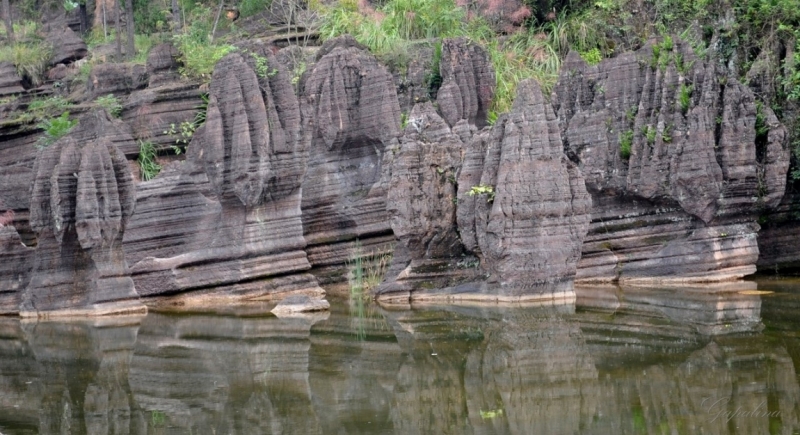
198,53
111,104
55,129
626,144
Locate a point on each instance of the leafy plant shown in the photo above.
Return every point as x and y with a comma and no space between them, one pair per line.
55,129
625,144
147,160
685,97
666,135
111,104
650,134
42,108
592,57
198,53
482,189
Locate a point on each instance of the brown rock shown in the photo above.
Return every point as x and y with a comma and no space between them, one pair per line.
10,82
683,205
529,225
233,208
67,45
162,64
349,100
82,198
116,78
468,82
15,267
58,72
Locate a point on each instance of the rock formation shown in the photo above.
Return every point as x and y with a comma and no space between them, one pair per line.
233,207
350,101
679,160
116,78
10,81
468,82
517,203
67,45
15,267
81,200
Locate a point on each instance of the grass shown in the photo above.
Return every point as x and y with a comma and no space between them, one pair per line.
365,271
55,129
30,58
147,161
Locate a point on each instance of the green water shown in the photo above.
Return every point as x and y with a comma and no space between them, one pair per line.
717,360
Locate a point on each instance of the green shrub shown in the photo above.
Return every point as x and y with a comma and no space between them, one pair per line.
650,134
41,108
199,55
626,144
482,189
251,7
55,129
111,104
685,97
147,161
592,57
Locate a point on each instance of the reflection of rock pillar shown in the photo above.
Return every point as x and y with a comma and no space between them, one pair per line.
235,375
82,198
83,369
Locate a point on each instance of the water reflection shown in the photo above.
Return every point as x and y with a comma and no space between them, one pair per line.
624,361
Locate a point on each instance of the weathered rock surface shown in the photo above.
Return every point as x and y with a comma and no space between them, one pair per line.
298,304
523,206
15,268
116,78
228,218
67,45
516,207
349,100
468,82
683,205
10,81
778,249
81,200
155,114
162,65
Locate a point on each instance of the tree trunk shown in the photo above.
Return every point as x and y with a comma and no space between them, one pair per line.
176,17
131,52
7,19
84,17
118,36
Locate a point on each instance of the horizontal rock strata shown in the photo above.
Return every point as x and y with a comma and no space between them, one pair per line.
226,219
350,103
673,160
81,200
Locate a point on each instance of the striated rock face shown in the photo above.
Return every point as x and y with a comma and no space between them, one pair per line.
116,78
162,64
517,206
67,45
350,101
81,200
681,202
230,214
523,207
15,268
10,82
468,82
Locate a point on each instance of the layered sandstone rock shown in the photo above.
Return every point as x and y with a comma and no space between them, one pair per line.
67,45
232,214
10,81
15,267
116,78
516,203
468,82
350,101
81,200
671,155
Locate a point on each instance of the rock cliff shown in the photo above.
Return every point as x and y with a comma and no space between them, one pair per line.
353,115
679,159
81,200
234,205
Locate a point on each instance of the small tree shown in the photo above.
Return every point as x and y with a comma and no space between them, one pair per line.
7,20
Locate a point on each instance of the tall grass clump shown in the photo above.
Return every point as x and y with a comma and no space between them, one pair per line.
111,103
365,271
31,59
148,166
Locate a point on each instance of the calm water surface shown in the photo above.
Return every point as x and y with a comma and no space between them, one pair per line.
718,360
